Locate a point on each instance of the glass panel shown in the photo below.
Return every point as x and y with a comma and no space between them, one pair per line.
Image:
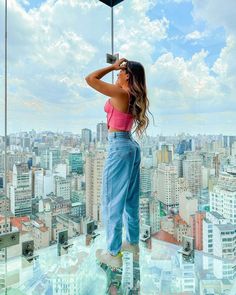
54,147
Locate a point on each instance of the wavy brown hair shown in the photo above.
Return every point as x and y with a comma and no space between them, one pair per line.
139,103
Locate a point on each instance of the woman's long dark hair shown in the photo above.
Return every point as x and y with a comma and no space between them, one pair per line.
139,103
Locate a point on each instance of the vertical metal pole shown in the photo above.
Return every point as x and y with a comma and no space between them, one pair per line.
112,32
5,144
112,39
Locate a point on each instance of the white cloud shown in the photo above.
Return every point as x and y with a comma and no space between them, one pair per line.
225,65
195,35
143,6
182,86
216,13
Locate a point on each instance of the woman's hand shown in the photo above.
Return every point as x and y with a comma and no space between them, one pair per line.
118,64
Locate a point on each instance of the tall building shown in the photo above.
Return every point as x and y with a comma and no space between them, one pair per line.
234,150
196,224
62,187
44,159
102,132
192,172
144,211
168,186
181,228
4,203
178,163
38,176
155,215
154,184
54,157
212,218
228,141
21,177
165,154
1,181
94,163
224,236
86,136
219,239
188,205
61,169
21,190
216,164
76,162
184,145
48,183
5,228
145,181
223,196
205,177
25,143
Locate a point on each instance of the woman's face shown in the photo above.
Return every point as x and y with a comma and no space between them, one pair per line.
122,78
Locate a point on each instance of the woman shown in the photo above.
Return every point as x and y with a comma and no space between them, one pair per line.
121,175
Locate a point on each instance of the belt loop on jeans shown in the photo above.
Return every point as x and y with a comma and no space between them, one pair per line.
114,134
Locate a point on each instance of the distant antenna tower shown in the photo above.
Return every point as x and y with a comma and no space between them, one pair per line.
111,58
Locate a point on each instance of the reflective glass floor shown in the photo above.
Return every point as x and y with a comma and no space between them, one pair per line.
161,270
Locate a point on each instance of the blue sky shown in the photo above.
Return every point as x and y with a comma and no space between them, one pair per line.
188,49
182,24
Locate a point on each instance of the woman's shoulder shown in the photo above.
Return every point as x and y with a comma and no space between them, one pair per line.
121,98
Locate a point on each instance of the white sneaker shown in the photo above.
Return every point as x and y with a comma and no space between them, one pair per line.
105,257
133,248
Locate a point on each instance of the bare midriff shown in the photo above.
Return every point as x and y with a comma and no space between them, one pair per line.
113,130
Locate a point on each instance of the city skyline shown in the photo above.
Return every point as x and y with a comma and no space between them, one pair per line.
94,132
188,51
53,196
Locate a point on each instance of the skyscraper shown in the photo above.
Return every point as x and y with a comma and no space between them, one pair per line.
54,157
145,179
223,196
62,187
184,145
38,183
188,205
76,162
165,154
178,163
228,141
21,190
102,132
196,224
192,172
94,163
167,187
86,136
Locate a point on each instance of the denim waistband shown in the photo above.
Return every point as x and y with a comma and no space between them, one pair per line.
124,134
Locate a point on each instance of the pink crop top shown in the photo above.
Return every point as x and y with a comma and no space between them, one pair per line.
117,119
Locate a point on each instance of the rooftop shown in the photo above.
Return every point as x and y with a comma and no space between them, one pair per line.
227,226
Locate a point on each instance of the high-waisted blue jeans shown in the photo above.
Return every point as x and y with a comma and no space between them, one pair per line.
120,190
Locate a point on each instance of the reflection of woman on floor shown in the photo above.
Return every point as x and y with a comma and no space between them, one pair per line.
128,104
